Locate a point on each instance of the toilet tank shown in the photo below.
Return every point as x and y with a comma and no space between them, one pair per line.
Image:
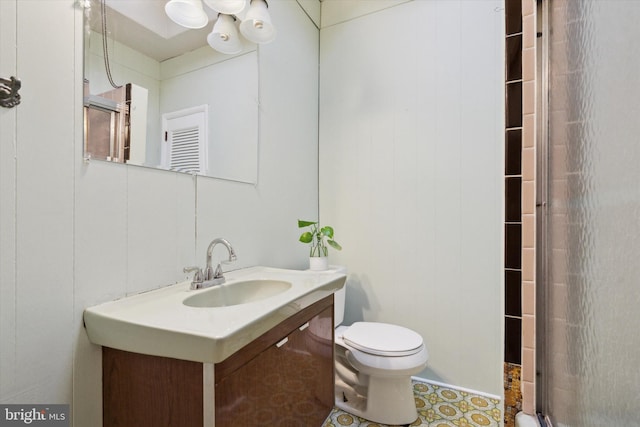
339,299
338,306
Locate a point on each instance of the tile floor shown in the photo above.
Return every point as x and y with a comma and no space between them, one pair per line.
437,407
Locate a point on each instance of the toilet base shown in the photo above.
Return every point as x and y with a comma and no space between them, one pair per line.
388,400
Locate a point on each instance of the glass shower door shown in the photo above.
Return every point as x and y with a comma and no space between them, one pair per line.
591,340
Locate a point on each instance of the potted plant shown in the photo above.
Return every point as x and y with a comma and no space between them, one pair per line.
319,238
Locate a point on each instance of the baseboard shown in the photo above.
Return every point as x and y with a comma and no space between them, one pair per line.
454,387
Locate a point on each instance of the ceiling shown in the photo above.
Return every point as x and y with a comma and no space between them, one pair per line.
144,26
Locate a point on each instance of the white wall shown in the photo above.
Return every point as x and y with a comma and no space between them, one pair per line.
37,210
411,159
230,90
77,234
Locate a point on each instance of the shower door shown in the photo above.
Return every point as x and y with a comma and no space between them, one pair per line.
590,340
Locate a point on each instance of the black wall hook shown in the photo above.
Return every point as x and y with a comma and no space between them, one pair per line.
9,96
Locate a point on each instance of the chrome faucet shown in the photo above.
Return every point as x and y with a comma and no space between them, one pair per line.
209,274
210,277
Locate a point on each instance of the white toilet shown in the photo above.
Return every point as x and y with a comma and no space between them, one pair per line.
374,363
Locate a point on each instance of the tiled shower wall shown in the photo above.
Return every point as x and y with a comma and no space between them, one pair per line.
520,208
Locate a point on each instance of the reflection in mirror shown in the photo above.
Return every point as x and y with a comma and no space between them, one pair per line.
178,104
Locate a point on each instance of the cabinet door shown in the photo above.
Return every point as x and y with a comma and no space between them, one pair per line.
288,384
141,390
310,373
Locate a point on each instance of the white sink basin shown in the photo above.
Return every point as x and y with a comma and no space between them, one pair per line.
208,325
235,293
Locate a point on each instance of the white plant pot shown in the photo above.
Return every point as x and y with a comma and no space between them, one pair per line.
318,263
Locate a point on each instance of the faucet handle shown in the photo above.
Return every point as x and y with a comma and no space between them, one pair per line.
218,273
198,277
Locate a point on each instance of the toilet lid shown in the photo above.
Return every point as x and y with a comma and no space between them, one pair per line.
382,339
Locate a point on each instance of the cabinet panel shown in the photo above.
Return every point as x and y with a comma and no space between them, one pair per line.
140,390
288,385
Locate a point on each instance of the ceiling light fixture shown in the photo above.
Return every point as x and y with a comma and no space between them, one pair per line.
228,7
255,27
187,13
224,37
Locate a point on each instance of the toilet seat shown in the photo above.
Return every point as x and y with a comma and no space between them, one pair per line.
393,361
382,339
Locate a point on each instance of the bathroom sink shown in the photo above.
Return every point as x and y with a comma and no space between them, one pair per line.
208,325
242,292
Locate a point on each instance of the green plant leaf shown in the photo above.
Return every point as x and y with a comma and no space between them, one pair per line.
335,245
306,237
305,223
327,231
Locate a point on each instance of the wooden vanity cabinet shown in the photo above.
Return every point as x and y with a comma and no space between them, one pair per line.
283,378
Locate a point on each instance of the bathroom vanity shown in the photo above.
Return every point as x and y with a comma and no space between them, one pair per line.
272,368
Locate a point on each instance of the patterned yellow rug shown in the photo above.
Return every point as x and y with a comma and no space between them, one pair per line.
437,407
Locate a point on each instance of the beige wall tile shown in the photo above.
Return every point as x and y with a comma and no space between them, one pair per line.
528,197
528,7
528,164
528,331
528,231
528,31
528,131
528,298
528,264
528,364
528,64
528,397
528,97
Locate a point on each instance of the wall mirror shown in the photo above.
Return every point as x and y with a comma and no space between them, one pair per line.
177,103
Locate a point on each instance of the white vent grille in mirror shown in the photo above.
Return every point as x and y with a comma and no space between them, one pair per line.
185,134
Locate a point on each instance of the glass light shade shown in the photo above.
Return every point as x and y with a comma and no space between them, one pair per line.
187,13
224,37
228,7
257,26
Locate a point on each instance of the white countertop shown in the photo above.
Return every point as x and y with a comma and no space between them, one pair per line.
158,323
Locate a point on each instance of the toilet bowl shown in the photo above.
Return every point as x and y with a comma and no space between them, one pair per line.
374,363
